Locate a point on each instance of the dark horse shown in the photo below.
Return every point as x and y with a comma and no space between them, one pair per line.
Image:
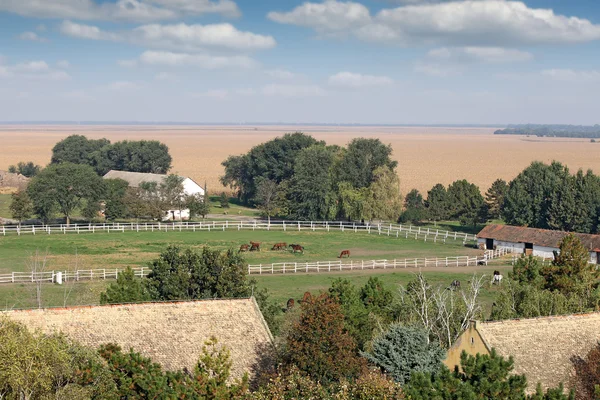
345,253
244,247
296,248
255,246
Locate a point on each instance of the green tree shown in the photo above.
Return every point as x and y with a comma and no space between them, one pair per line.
171,194
66,185
587,375
21,206
224,200
466,203
360,161
148,156
414,208
269,198
528,270
127,289
28,169
77,149
383,199
115,204
437,203
356,316
191,274
198,205
402,350
414,199
494,197
351,201
311,194
377,298
317,343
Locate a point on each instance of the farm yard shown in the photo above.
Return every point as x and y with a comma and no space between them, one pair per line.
425,155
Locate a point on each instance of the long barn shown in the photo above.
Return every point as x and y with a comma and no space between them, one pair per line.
537,242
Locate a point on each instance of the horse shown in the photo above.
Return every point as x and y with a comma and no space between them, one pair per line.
255,246
296,248
279,246
497,278
454,285
244,247
290,304
345,253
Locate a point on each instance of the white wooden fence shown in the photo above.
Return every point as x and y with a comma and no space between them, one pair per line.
406,231
275,268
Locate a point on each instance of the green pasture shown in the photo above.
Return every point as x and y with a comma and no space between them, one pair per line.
4,203
121,249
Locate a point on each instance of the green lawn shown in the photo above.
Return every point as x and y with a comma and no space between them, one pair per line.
112,250
235,208
4,203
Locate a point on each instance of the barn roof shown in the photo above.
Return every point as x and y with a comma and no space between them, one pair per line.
135,178
539,237
172,334
543,348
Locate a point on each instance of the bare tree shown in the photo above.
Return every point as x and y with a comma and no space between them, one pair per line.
38,264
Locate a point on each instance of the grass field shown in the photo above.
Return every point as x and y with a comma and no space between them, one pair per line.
112,250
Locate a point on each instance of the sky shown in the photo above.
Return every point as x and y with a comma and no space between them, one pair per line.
288,61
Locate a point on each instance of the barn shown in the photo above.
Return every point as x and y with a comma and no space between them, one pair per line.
544,361
538,242
135,179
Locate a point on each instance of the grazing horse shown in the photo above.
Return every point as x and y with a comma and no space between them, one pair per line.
454,285
244,247
345,253
279,246
255,246
290,304
497,278
296,248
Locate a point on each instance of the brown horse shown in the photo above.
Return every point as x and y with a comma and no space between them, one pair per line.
279,246
255,246
345,253
244,247
290,304
296,248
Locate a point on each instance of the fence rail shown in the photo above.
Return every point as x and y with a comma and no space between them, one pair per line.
275,268
406,231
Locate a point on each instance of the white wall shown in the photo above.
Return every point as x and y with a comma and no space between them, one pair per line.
544,252
180,215
538,251
191,188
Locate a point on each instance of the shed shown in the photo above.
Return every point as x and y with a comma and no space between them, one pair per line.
172,334
543,349
538,242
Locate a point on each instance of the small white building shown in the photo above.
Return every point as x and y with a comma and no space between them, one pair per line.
538,242
135,179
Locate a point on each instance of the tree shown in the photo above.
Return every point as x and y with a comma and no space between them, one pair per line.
376,297
171,194
115,203
28,169
437,204
77,149
587,375
66,185
414,199
414,208
360,161
224,200
494,197
402,350
198,205
356,316
21,206
466,203
383,199
127,289
269,198
311,194
190,274
274,160
351,201
318,344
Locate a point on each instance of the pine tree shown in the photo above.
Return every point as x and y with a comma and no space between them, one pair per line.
127,289
494,197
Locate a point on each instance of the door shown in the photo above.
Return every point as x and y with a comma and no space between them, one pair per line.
489,244
528,249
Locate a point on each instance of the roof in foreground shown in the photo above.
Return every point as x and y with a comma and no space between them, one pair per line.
172,334
135,178
543,347
540,237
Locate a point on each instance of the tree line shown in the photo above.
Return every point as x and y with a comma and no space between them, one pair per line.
573,131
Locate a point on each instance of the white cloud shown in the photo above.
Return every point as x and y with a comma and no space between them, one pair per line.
124,86
467,23
121,10
41,28
165,76
281,74
571,75
86,31
437,70
63,64
195,60
220,94
245,92
32,70
32,36
490,55
127,63
354,80
193,37
275,89
77,95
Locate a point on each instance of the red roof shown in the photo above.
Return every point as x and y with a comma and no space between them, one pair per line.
539,237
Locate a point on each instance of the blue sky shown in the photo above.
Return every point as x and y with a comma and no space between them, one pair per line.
363,61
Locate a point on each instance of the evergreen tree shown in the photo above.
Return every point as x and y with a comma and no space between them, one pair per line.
437,204
356,316
115,206
402,350
224,200
377,298
494,197
127,289
466,203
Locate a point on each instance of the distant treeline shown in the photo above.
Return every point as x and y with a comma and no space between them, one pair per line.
573,131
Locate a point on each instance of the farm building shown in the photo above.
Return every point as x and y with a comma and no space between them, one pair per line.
543,349
172,334
538,242
135,179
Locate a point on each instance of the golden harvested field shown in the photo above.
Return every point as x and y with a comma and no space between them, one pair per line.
426,156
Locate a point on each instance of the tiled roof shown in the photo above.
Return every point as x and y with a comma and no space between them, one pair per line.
135,178
172,334
540,237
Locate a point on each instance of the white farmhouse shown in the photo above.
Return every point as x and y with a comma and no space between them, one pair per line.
135,179
538,242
